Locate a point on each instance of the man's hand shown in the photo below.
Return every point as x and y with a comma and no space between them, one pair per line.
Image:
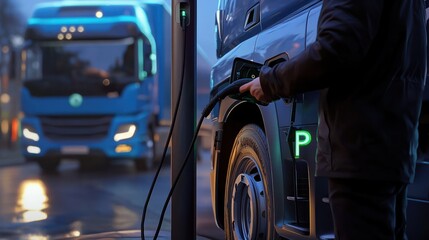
255,89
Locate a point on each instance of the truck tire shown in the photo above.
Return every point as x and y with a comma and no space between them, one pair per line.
248,208
48,164
147,162
143,163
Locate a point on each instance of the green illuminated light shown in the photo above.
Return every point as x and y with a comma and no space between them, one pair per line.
75,100
183,12
302,138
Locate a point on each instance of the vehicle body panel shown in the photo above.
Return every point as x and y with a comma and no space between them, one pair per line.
287,28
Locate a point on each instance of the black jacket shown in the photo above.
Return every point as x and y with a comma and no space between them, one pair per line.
369,60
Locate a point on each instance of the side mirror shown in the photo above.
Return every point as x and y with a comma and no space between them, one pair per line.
219,31
149,61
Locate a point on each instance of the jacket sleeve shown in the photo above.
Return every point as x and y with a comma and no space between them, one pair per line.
345,32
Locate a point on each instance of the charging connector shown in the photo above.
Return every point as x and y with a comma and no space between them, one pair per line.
232,90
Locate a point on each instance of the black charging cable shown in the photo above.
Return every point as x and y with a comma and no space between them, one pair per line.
231,89
183,23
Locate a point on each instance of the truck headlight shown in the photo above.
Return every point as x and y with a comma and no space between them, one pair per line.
30,133
33,149
125,131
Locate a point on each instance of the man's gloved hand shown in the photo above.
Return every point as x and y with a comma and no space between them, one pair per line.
255,89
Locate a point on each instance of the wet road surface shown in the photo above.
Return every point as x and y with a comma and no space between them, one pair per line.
74,203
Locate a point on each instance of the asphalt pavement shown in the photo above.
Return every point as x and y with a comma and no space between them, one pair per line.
10,156
206,228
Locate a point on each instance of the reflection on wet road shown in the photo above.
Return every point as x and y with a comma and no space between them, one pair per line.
32,201
72,203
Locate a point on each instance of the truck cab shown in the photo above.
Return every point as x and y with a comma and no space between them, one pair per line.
263,157
91,72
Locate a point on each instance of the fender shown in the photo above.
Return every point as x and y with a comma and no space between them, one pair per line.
233,115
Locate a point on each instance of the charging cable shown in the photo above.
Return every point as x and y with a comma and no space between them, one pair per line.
232,89
183,24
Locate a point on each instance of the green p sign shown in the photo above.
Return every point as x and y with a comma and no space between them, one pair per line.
302,138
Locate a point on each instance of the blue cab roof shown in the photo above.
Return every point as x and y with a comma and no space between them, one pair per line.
88,20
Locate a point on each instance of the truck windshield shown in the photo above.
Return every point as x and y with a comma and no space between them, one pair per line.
91,68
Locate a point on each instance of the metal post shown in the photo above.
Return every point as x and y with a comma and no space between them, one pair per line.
183,201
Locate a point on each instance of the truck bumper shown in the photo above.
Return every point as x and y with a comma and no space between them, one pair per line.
139,145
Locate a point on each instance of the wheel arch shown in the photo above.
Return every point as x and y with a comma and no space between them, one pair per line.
235,117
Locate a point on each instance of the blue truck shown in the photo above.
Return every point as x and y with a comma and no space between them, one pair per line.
268,190
95,82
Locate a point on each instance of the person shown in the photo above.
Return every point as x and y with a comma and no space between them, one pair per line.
369,62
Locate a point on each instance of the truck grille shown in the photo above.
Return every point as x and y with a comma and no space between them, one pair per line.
76,127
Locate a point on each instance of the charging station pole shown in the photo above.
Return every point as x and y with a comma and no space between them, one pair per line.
183,199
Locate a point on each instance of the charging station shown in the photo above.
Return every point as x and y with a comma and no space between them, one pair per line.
183,200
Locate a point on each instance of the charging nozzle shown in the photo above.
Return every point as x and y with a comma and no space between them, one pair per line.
232,90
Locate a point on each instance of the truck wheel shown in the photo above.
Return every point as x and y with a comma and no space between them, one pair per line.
48,165
143,163
147,162
248,209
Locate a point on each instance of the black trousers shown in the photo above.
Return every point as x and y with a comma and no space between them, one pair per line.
368,210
